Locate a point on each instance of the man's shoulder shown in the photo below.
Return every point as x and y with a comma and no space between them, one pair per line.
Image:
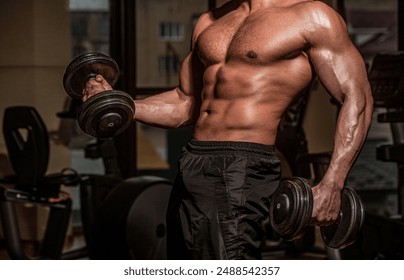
209,17
319,13
204,20
324,26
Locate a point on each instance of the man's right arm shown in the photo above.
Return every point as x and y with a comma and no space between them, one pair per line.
174,108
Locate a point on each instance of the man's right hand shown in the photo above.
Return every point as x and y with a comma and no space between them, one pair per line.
95,86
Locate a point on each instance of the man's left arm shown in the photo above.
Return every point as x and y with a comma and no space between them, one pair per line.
342,71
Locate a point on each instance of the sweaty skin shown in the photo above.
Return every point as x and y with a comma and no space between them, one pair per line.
249,59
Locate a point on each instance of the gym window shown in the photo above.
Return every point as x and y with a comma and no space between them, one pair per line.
171,31
168,64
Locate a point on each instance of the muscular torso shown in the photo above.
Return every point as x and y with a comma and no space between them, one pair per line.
249,60
254,65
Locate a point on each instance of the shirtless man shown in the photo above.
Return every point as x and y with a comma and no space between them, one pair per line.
249,59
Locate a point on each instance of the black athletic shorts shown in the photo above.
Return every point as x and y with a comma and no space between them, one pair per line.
219,200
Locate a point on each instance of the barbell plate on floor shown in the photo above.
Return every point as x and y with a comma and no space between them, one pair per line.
131,221
146,229
106,114
87,66
343,232
291,207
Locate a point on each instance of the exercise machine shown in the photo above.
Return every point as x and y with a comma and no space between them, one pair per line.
126,214
28,147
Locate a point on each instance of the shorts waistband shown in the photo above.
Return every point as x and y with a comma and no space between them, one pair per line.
230,146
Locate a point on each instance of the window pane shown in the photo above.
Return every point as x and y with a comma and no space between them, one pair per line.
164,30
89,26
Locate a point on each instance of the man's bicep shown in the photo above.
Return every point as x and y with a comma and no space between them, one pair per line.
340,71
336,60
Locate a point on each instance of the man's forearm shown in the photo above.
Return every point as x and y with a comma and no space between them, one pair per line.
168,110
352,127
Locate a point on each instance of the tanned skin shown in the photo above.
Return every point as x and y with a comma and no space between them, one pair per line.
249,59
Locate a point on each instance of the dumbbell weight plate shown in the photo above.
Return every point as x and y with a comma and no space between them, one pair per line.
291,207
282,213
106,114
344,231
87,66
306,206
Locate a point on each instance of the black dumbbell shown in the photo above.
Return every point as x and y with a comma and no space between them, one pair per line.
105,114
292,206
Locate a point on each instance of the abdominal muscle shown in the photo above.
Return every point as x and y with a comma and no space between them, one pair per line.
235,121
242,104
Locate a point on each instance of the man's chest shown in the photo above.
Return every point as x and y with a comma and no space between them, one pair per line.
261,38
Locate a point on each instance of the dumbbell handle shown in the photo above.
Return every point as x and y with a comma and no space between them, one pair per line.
90,76
344,230
85,67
